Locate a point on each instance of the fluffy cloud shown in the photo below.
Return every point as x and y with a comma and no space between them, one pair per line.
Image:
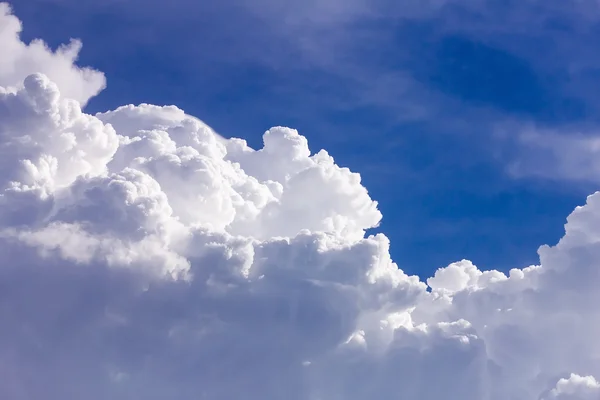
20,60
576,387
145,256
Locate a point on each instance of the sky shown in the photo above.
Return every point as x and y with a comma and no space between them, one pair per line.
313,200
452,112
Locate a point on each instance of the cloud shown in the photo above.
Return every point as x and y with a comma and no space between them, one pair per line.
576,387
555,154
145,256
19,60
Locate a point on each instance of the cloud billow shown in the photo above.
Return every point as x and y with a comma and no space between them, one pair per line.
145,256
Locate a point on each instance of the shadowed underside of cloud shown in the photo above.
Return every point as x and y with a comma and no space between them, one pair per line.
144,256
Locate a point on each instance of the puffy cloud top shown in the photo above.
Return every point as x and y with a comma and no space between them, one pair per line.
20,60
145,256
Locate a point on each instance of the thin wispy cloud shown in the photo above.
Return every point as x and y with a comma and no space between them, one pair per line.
571,155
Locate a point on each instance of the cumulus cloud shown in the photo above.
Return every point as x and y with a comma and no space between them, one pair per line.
576,387
145,256
20,59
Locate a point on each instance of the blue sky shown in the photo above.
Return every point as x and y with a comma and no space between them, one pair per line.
470,122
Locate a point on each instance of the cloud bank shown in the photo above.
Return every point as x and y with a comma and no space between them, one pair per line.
145,256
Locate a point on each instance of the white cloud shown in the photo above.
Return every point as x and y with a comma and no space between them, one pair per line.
20,60
576,387
557,155
144,256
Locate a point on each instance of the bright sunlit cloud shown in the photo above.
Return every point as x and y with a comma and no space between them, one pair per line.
146,257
